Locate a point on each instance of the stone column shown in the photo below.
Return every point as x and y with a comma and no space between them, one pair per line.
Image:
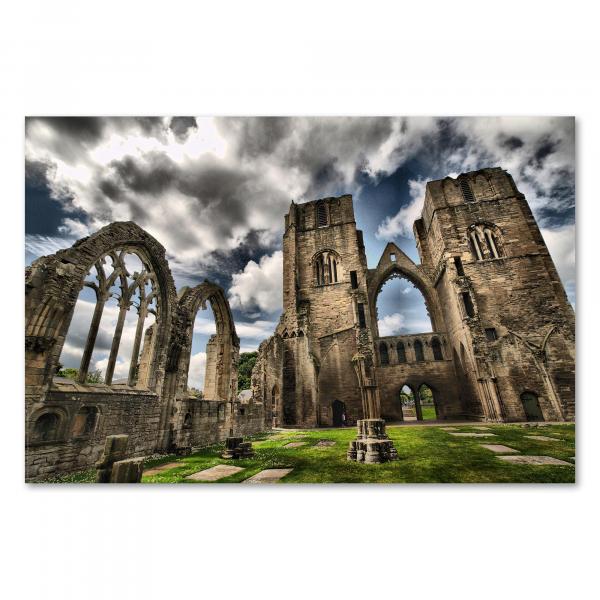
142,311
114,349
91,339
372,444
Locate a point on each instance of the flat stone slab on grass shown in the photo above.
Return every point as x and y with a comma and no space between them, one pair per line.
215,473
482,428
474,435
450,428
324,443
542,438
294,444
499,448
268,476
534,460
161,468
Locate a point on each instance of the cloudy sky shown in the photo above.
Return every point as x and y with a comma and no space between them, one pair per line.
214,191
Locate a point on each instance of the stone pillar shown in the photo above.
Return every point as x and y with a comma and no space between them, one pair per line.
136,345
91,339
114,349
372,444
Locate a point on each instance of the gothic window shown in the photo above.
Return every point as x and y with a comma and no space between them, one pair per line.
383,354
419,356
401,351
485,242
321,214
491,243
187,421
46,427
466,190
436,347
327,268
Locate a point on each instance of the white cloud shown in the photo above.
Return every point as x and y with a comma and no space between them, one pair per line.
259,285
197,370
401,223
391,324
561,244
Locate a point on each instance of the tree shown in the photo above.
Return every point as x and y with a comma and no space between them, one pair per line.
245,366
92,376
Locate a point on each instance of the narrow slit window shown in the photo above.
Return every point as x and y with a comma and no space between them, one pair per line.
362,322
466,190
353,279
491,243
475,246
468,304
321,215
459,266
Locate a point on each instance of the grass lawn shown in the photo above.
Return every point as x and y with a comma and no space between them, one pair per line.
427,454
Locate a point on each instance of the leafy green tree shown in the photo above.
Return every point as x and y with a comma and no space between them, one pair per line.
92,376
245,366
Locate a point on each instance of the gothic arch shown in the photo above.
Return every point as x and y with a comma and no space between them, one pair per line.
394,263
227,341
53,283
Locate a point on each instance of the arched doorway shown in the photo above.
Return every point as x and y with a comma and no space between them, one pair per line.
338,410
427,403
531,406
408,404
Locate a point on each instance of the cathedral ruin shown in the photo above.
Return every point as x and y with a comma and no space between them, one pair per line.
502,346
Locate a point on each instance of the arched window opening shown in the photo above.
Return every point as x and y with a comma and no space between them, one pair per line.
383,354
427,402
466,190
116,306
531,406
338,413
419,356
401,308
187,421
202,370
321,214
407,402
401,351
327,268
46,427
491,243
85,421
436,348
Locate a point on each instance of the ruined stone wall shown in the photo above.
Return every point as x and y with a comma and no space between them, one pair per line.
199,423
119,411
210,374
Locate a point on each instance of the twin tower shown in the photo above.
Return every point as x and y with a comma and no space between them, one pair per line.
503,341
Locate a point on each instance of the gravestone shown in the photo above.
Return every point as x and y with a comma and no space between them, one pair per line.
115,449
215,473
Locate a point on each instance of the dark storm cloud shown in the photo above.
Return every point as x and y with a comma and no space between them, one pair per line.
511,143
180,126
87,130
256,136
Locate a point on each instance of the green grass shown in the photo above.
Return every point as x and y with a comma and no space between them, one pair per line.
426,455
428,413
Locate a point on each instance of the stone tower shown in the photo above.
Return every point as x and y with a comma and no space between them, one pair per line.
506,313
326,313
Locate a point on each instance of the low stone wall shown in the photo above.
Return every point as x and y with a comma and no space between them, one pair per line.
128,411
201,423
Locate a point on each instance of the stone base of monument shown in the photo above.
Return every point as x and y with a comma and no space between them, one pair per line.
236,447
372,444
